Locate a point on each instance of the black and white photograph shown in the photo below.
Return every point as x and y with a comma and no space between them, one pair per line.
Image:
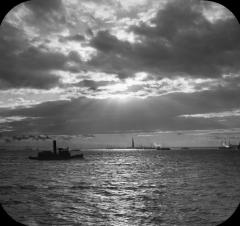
120,113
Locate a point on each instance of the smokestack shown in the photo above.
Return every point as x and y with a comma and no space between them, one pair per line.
55,147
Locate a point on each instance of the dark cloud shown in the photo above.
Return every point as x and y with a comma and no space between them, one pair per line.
114,56
30,68
89,32
181,42
93,85
46,16
76,38
26,79
106,42
39,6
35,58
74,56
90,116
222,99
178,41
25,66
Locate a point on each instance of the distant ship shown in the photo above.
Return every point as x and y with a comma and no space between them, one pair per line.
229,146
163,148
62,154
158,147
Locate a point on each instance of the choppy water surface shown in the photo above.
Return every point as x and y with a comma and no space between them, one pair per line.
127,187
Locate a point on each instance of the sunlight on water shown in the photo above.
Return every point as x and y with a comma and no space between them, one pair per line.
122,188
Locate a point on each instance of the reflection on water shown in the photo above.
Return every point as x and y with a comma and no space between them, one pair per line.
122,188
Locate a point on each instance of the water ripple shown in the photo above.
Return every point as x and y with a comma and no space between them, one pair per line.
123,188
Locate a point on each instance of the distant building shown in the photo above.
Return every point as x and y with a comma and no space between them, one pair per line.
133,143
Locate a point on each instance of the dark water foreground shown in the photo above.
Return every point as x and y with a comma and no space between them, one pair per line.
186,187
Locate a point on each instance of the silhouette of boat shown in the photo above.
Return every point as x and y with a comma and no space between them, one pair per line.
62,154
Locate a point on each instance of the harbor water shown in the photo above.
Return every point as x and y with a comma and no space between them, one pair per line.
122,187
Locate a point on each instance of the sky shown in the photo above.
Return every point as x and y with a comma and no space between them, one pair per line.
99,72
